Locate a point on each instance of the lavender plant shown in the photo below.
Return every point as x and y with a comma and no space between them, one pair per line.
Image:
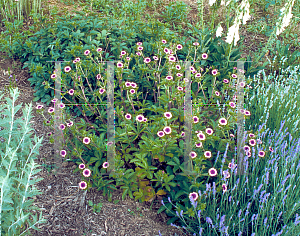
17,170
271,103
264,202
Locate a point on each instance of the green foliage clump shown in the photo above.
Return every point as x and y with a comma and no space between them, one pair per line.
275,99
143,178
175,12
17,168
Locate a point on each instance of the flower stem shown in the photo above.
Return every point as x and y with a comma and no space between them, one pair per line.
122,95
87,119
77,151
130,101
229,53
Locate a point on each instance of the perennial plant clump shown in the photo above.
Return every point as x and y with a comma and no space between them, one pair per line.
164,148
17,169
268,99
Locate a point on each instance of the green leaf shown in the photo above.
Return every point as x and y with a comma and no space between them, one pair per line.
163,208
170,155
172,220
129,133
168,188
98,163
170,178
124,192
180,193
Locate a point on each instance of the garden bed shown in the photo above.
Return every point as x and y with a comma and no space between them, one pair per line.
64,205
